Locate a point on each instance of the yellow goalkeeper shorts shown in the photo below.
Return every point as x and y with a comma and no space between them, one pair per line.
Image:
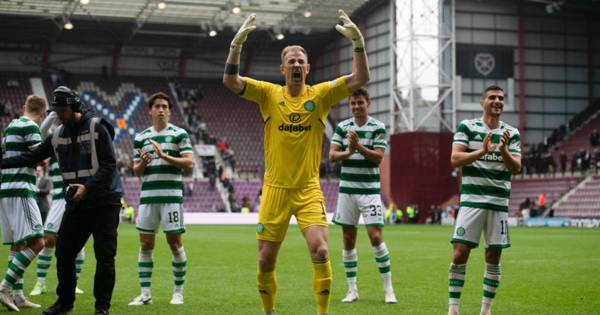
279,204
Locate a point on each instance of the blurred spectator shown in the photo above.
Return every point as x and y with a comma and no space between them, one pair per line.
212,181
258,196
594,138
436,214
232,160
245,204
3,111
233,201
452,211
574,161
189,188
201,130
393,214
127,213
222,145
541,200
548,163
540,206
585,160
563,161
597,159
411,213
525,208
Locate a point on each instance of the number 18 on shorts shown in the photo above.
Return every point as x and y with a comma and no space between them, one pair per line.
151,216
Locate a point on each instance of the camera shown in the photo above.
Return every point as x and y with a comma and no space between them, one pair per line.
70,193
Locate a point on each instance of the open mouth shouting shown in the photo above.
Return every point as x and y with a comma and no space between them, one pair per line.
296,74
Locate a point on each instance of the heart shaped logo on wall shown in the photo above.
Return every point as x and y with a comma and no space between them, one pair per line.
484,63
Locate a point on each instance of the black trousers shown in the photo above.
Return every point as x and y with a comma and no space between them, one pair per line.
78,223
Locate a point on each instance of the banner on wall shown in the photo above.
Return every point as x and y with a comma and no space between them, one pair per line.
484,61
206,149
564,222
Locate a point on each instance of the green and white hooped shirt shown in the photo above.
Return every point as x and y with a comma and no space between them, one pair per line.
359,175
162,182
486,183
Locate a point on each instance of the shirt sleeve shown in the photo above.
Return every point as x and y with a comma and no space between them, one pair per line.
379,138
256,91
137,146
514,146
40,153
32,136
461,136
184,144
333,91
338,136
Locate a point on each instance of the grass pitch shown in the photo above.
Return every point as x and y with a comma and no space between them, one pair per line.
546,271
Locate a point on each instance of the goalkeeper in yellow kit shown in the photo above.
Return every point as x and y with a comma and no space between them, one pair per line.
294,117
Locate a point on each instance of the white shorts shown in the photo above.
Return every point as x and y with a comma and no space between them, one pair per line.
471,221
350,207
21,219
57,210
150,216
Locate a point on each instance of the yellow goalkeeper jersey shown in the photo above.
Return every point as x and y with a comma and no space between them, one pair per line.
293,128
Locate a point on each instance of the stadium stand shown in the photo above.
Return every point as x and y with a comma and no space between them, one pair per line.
573,142
249,188
583,201
14,89
579,139
238,121
122,102
330,192
552,188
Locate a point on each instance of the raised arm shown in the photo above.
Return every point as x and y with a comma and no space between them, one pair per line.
360,66
231,77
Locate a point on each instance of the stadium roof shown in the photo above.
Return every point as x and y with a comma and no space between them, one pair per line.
276,15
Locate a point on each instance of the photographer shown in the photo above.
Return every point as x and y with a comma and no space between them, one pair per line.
84,149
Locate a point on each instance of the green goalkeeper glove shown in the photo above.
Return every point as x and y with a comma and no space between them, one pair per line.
242,34
350,31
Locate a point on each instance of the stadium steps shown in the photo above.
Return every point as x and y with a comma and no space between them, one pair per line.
572,191
553,189
583,201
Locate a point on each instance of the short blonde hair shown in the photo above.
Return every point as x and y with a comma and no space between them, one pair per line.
35,104
293,47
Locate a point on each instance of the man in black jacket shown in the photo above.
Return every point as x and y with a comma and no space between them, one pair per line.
84,149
